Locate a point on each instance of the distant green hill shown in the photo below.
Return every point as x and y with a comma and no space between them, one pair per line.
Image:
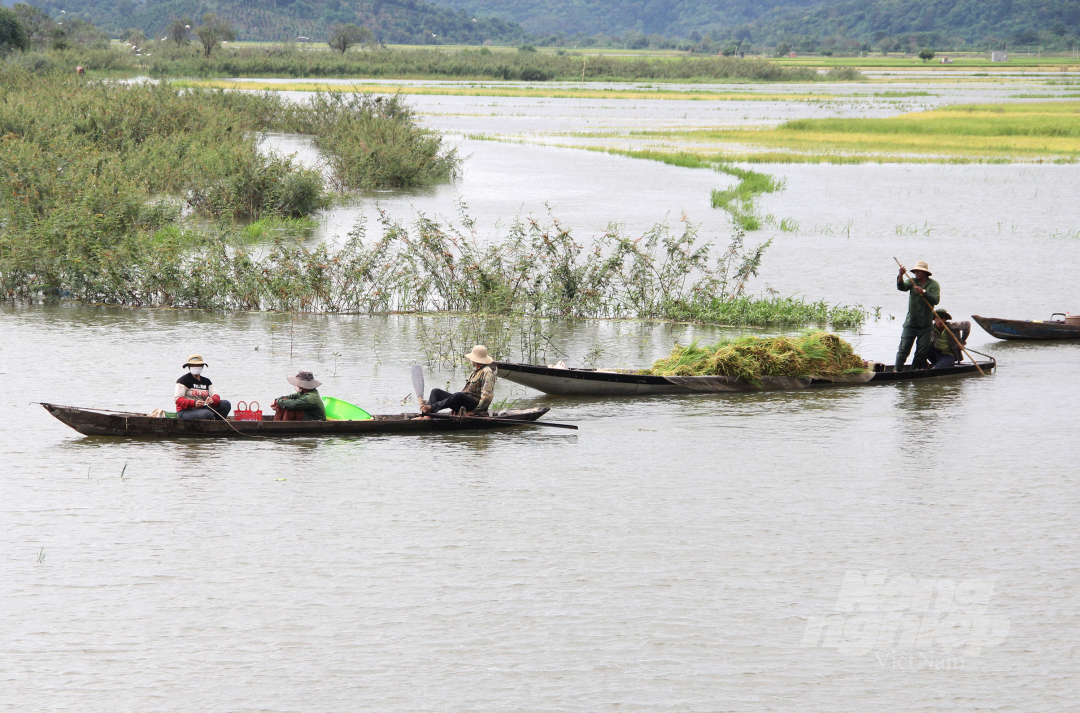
671,18
392,21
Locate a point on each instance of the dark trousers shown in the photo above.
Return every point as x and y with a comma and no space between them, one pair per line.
940,360
439,400
921,341
206,413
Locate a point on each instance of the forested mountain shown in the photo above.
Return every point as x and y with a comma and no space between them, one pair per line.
811,22
705,25
1018,22
392,21
670,18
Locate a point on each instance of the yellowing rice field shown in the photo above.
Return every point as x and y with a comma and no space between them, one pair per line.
1022,131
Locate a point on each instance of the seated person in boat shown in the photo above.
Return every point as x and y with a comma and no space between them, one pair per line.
305,404
945,350
196,397
475,397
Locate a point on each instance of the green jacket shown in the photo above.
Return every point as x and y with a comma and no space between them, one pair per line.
310,403
919,316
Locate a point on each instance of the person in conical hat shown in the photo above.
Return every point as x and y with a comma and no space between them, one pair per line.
196,397
305,404
477,394
919,324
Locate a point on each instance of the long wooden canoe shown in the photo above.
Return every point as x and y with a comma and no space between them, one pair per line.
630,382
1027,329
98,422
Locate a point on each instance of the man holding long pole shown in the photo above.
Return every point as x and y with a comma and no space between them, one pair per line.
919,325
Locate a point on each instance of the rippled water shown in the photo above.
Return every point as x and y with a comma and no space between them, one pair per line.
667,556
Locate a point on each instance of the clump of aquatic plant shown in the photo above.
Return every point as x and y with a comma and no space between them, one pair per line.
815,353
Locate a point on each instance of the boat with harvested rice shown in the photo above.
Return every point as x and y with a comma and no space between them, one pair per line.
565,381
102,422
1067,328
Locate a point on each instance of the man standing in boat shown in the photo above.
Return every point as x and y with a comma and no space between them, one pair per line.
919,325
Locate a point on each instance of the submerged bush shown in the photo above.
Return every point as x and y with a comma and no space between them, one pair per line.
373,141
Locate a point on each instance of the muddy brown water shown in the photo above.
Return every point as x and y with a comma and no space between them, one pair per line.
904,547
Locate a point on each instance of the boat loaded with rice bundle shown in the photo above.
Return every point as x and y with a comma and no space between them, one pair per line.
813,359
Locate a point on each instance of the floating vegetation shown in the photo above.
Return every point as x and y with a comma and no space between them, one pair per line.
738,201
816,353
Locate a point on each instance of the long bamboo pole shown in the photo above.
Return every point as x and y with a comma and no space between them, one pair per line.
934,312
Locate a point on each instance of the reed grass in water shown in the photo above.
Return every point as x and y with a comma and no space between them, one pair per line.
815,353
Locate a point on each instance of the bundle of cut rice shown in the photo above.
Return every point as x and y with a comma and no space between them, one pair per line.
810,354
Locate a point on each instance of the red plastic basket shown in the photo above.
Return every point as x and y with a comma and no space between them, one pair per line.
244,412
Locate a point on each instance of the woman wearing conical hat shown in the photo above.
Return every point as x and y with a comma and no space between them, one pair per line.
196,397
477,394
305,404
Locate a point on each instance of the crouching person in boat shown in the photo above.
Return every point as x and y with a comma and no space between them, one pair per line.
475,398
305,404
945,350
196,398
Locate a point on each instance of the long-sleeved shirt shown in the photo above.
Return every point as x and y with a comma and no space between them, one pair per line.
481,386
309,402
944,345
191,388
919,316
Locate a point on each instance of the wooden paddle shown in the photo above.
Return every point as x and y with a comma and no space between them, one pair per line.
945,326
418,387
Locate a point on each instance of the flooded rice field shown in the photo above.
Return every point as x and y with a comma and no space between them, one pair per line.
908,547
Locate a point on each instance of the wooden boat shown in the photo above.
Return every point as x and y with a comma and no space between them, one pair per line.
630,382
1031,329
99,422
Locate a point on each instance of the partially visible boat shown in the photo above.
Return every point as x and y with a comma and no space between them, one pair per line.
631,382
101,422
1067,328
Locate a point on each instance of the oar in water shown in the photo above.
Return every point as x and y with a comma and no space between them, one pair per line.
418,387
934,312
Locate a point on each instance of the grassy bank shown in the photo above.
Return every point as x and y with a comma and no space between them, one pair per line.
288,61
1048,131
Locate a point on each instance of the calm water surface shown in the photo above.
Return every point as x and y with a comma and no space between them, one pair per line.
668,556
